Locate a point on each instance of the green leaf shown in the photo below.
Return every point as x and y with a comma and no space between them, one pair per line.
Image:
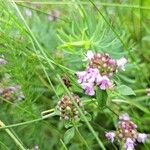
101,96
88,117
68,124
125,90
69,134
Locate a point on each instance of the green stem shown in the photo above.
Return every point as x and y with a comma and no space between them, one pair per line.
63,144
34,9
58,77
29,122
12,136
113,30
3,145
81,137
86,3
84,117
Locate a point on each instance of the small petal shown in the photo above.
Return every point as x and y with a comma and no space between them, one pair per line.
89,88
141,137
28,12
98,79
110,136
124,117
50,18
81,76
2,61
104,82
121,63
129,145
148,91
89,55
92,74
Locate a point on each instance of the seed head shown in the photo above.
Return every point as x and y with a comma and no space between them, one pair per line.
67,108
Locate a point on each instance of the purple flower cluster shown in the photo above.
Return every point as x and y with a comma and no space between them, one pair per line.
9,92
12,92
98,72
127,133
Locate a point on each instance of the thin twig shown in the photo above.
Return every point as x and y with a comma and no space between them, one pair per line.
29,122
87,3
82,138
12,136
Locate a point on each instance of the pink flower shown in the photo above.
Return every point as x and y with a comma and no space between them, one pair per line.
92,74
87,79
81,76
89,55
141,137
124,117
87,76
110,136
89,88
127,133
104,82
129,145
121,63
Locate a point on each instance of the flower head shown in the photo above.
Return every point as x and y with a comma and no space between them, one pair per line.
12,92
106,65
67,108
127,133
100,69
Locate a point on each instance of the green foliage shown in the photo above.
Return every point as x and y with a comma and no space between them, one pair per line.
125,90
39,51
68,135
101,96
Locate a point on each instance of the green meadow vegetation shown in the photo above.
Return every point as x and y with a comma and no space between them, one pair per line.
74,74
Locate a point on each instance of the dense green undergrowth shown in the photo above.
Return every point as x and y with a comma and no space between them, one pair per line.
45,43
